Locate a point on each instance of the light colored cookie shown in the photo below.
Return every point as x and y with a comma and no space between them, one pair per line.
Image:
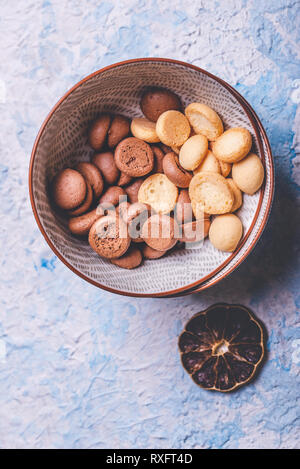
204,120
248,174
159,192
225,232
144,129
237,194
225,168
233,145
193,152
211,192
210,163
173,128
175,149
197,209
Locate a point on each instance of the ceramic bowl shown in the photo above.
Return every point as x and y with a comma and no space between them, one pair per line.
62,142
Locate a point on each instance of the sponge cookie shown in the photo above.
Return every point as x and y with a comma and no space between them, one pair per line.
134,157
233,145
144,129
193,152
204,120
225,232
159,192
210,163
211,192
225,168
173,128
108,237
237,195
248,174
197,209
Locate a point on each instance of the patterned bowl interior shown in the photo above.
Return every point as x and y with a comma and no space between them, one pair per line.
63,143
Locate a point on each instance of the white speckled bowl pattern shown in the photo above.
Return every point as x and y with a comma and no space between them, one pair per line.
62,142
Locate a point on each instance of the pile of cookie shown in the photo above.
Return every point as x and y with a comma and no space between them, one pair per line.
158,179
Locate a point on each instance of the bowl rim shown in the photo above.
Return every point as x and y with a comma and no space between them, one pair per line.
196,286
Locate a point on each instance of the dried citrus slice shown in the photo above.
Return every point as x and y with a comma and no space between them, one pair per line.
222,347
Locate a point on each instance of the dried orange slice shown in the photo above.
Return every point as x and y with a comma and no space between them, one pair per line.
222,347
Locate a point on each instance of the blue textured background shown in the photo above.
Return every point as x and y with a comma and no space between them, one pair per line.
80,367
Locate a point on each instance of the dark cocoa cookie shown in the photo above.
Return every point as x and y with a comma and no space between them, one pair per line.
134,157
122,209
106,163
164,148
81,225
155,101
108,237
130,260
107,208
124,179
160,232
158,159
119,129
68,189
98,131
85,204
92,175
135,217
184,212
134,210
150,253
113,195
174,171
194,231
133,189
